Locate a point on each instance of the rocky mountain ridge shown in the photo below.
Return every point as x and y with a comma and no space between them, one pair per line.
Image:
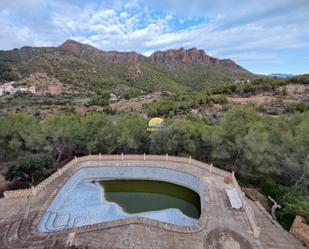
167,59
85,67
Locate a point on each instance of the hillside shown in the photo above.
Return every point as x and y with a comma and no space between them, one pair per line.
196,69
73,74
77,77
71,63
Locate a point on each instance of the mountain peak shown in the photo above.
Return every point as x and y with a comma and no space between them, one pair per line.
69,41
77,48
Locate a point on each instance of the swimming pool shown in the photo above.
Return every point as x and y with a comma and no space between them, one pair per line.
82,200
140,196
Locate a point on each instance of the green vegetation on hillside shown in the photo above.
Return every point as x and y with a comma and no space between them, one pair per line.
153,79
6,72
201,76
182,104
258,85
10,56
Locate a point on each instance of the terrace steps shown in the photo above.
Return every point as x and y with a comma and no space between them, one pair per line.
55,222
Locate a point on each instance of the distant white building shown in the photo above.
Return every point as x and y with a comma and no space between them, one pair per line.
32,89
242,81
22,89
113,98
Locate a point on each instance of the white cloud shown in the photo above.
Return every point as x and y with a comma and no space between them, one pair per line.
236,29
168,17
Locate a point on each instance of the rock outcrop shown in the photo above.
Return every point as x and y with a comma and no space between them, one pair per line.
134,72
181,56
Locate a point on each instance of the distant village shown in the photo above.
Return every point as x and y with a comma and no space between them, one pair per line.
242,81
10,88
13,87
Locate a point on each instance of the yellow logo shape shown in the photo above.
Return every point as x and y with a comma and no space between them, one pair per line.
155,124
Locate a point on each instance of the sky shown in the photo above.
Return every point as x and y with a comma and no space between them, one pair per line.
264,36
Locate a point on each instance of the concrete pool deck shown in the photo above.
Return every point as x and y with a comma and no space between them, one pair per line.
219,226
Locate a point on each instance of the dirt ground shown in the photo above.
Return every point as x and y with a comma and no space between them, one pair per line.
135,103
295,92
256,99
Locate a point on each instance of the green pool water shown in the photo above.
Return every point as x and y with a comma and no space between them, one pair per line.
137,196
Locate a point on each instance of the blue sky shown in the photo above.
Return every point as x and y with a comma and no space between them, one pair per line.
264,36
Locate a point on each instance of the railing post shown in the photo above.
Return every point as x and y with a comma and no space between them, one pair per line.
144,156
76,160
121,155
257,232
210,168
59,171
166,157
190,159
100,156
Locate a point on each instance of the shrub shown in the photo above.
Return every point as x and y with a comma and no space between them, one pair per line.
29,170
